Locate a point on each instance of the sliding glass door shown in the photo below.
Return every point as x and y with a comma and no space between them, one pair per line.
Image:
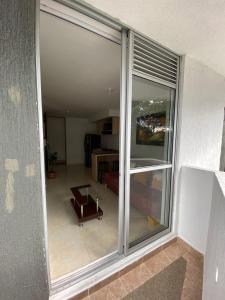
133,102
150,158
150,139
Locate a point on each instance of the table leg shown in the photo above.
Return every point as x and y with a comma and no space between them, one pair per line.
82,211
87,192
97,204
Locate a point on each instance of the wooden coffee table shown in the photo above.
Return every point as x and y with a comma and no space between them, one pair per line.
85,206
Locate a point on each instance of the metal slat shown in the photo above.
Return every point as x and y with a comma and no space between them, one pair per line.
143,69
150,77
155,71
155,65
155,61
149,66
154,50
154,55
144,39
137,67
165,65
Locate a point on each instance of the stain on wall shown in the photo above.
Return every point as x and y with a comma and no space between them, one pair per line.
30,170
14,94
11,166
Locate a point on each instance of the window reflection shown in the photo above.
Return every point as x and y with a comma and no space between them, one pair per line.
151,123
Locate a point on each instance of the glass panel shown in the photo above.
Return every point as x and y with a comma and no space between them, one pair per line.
149,204
151,123
83,198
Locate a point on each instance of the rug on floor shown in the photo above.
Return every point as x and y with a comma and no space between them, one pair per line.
166,285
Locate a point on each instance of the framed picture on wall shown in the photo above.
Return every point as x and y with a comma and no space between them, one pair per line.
150,129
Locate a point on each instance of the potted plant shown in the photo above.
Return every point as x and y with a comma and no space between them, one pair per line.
52,157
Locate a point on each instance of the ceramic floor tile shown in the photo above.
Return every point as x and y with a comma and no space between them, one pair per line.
120,287
157,263
136,277
194,267
193,278
103,294
191,290
173,252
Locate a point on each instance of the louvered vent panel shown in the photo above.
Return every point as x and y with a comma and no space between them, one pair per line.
153,60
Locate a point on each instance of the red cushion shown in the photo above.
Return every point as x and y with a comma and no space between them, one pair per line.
111,179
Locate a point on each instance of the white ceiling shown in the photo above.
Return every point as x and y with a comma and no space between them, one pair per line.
80,70
193,27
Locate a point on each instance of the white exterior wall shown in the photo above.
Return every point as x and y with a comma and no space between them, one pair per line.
222,157
199,145
194,211
201,119
214,262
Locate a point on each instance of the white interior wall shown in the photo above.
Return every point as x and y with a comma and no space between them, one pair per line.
199,144
102,114
75,132
56,136
110,141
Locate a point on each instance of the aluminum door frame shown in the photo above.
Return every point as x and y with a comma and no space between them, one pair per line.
128,171
125,95
45,6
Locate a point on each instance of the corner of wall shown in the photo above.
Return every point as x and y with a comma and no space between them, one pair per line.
175,215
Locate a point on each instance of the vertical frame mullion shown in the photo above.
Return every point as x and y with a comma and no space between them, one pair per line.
174,180
41,138
123,93
128,139
171,145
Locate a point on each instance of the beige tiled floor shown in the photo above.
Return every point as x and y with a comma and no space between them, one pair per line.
147,268
72,247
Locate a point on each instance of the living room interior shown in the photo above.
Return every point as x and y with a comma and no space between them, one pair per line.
81,103
80,74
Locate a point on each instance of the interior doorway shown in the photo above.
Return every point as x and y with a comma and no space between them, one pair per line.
80,72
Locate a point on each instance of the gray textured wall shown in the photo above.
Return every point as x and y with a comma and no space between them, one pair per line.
23,272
